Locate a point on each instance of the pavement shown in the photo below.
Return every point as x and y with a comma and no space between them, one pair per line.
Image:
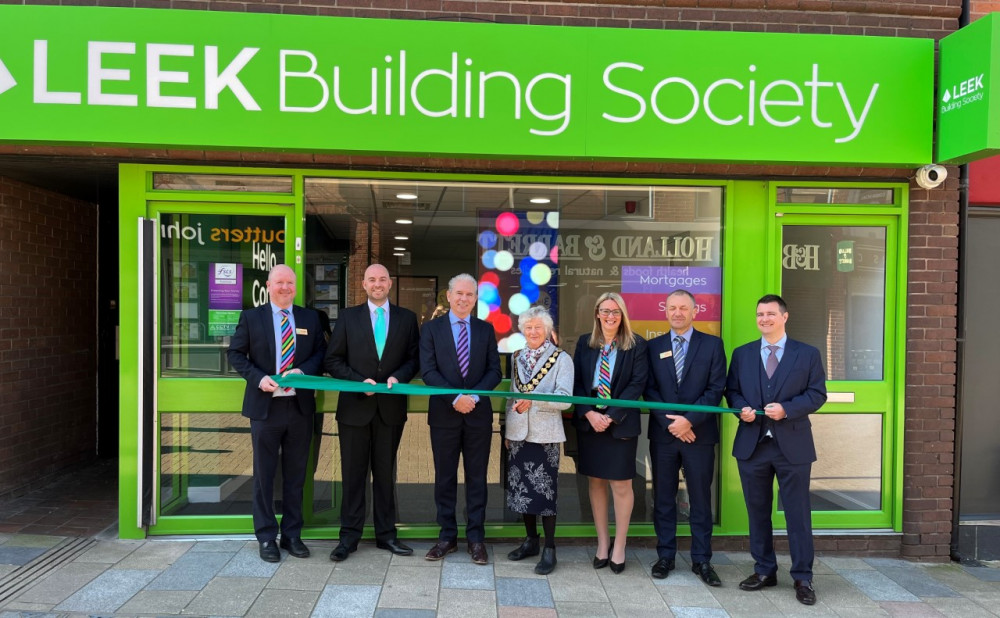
50,575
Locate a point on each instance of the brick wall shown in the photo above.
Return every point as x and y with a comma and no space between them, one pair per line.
48,333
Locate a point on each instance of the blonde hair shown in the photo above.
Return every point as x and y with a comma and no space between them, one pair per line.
625,337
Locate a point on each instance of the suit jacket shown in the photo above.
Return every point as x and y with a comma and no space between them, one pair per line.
352,355
703,383
251,352
439,366
628,381
799,386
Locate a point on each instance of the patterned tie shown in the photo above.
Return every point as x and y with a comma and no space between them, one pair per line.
679,357
604,383
287,345
380,330
463,348
772,361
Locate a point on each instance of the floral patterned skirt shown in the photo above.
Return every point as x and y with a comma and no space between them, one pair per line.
532,477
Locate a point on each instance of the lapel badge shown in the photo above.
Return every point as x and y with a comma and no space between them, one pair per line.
666,354
301,331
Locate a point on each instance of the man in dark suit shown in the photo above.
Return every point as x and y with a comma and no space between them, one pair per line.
373,342
278,338
458,350
785,379
688,367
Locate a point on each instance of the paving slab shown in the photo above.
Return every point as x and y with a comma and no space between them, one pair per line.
155,555
986,574
877,586
226,546
347,601
310,574
910,610
455,603
578,583
960,608
410,587
689,596
16,555
958,579
837,592
226,596
58,585
857,612
653,610
405,613
109,552
34,540
192,571
524,592
916,581
247,563
570,609
466,576
526,612
698,612
158,602
108,591
839,563
284,603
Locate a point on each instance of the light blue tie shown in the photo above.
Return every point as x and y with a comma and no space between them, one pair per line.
380,330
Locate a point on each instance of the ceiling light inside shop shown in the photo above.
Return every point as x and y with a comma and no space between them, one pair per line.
406,196
399,254
404,221
401,237
539,200
399,248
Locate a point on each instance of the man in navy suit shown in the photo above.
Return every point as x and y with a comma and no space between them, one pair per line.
458,350
278,338
785,379
688,367
372,342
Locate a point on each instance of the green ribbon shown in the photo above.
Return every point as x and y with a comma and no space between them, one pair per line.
298,380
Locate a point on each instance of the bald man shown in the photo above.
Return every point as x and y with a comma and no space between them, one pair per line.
278,338
377,343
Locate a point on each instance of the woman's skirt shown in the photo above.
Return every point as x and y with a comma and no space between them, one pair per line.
532,477
603,456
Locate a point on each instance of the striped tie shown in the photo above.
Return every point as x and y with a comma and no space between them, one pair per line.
679,357
463,348
287,344
604,384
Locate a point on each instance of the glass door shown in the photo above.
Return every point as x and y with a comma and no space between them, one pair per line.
838,275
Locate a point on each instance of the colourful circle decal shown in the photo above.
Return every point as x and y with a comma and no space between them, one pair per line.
552,219
541,274
482,310
502,323
487,239
488,293
518,304
512,344
535,216
554,255
490,278
538,250
489,258
507,224
503,260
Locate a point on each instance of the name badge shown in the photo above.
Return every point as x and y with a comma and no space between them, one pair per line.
301,331
666,354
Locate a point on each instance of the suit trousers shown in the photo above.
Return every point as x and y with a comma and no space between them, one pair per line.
473,444
283,436
362,448
698,462
757,475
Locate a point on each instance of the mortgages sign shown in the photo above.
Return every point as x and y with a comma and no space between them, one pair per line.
968,84
217,80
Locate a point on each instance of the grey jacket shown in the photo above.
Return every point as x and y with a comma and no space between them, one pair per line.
542,423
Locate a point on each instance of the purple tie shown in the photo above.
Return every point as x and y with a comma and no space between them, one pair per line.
772,361
463,348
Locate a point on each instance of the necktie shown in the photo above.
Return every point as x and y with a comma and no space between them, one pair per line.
604,383
679,357
463,348
287,344
380,330
772,361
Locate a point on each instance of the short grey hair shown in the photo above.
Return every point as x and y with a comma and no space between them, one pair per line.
462,277
536,312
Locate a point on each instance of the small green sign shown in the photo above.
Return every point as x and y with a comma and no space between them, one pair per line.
222,322
968,117
845,256
225,80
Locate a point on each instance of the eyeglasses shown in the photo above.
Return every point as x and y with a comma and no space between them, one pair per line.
609,312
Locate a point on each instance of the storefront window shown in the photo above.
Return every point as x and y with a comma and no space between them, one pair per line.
211,268
219,182
834,195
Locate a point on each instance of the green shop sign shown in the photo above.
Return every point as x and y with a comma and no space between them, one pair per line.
967,114
218,80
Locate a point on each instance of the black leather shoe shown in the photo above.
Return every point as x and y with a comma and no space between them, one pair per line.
395,546
706,573
616,567
600,563
341,551
295,546
528,548
441,549
804,592
548,562
269,552
478,553
662,568
757,582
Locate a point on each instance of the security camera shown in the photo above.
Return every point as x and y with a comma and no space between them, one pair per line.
931,176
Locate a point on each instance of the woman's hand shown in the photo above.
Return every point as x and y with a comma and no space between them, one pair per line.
521,406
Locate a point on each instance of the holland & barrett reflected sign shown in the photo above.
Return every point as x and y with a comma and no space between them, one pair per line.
218,80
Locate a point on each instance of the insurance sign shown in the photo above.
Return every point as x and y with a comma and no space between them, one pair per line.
218,80
968,93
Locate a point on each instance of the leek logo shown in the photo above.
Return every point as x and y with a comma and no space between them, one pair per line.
963,93
7,80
